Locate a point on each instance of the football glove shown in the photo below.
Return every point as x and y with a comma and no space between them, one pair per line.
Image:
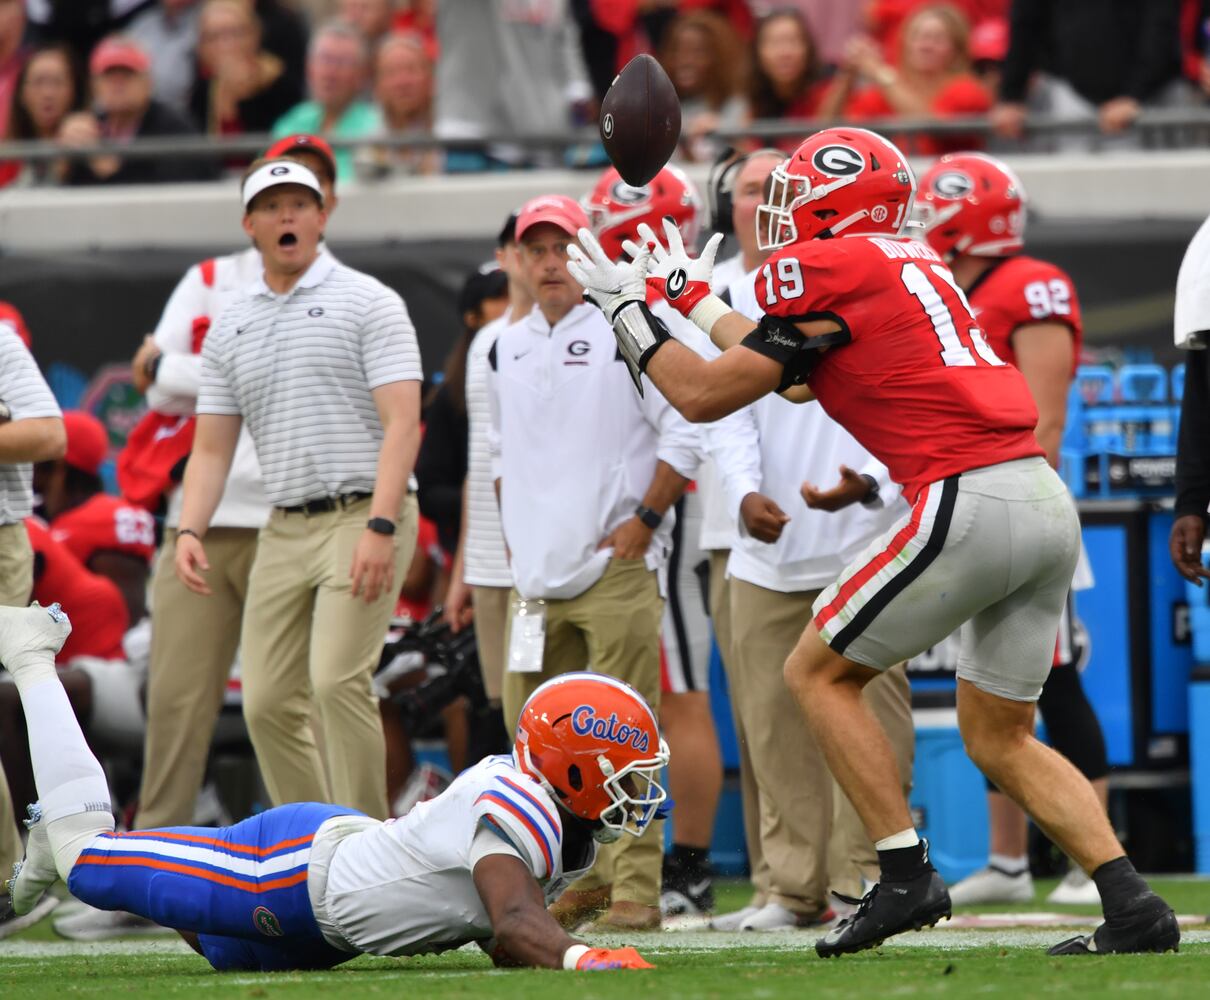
683,281
607,959
608,284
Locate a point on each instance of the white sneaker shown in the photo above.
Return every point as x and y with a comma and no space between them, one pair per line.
12,922
992,885
91,924
732,921
775,917
1076,889
32,629
36,872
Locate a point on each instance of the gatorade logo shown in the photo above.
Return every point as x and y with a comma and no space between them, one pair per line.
676,283
265,921
838,161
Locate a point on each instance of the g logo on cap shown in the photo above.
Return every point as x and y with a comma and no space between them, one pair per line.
278,171
607,126
676,283
838,161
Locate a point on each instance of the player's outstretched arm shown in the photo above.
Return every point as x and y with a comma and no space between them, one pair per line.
526,933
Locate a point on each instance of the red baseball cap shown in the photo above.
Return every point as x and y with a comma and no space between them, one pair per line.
989,40
9,313
557,209
308,143
87,441
118,52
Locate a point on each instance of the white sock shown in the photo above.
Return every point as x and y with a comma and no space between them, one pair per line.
904,838
68,776
1008,863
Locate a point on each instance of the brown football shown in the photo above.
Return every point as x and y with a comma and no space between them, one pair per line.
640,120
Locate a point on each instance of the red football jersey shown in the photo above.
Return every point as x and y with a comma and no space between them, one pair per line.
105,523
98,613
1021,290
917,384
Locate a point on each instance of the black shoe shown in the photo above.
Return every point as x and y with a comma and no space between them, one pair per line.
1149,925
888,909
688,890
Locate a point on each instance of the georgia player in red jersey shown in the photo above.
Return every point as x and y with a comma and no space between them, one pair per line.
108,535
973,211
876,328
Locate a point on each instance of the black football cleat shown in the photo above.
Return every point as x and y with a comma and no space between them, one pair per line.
1148,926
888,909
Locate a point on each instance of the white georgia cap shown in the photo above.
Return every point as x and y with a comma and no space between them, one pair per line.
278,172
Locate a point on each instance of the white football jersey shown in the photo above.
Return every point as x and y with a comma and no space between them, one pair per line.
404,887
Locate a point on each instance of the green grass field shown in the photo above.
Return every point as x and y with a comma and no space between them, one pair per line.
939,963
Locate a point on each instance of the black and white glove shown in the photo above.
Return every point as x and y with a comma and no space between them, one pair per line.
619,289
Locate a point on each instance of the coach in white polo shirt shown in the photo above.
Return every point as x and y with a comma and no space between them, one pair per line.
322,362
586,474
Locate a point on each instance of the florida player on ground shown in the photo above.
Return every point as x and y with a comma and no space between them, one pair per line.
876,328
973,211
308,886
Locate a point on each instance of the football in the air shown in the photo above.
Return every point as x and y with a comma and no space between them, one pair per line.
640,120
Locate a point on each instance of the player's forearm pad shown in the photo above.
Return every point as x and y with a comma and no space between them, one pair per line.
781,341
639,333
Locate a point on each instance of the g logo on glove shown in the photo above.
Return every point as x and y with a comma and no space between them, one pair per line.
676,283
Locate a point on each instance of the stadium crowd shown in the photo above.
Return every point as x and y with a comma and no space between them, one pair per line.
519,508
77,73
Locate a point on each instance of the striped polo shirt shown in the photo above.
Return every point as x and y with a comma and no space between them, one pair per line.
300,367
25,393
485,559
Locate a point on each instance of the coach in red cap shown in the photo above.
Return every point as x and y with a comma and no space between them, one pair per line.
586,473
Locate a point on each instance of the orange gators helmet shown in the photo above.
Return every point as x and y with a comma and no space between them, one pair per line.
615,209
973,204
839,179
594,744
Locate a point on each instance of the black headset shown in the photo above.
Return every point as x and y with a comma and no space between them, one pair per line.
720,183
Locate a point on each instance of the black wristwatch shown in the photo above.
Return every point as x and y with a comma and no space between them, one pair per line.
649,517
874,496
381,525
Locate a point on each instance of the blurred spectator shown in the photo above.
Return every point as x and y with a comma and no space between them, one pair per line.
788,79
702,57
12,55
403,88
441,465
167,32
239,86
989,46
1092,58
337,65
832,24
284,33
49,88
933,77
509,69
884,19
373,18
124,109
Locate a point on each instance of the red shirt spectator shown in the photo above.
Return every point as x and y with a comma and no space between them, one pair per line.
49,87
98,612
787,79
885,18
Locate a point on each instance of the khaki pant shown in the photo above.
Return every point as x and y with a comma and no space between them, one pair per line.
307,642
491,621
16,583
793,793
193,643
614,627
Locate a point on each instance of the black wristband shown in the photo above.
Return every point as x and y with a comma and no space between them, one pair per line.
188,531
381,526
653,519
151,367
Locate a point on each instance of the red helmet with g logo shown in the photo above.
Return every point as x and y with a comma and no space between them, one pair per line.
615,209
970,203
594,744
840,181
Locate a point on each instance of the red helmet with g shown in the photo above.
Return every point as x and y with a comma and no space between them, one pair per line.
615,209
594,744
971,203
839,182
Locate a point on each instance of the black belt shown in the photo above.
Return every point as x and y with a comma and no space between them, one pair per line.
325,505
